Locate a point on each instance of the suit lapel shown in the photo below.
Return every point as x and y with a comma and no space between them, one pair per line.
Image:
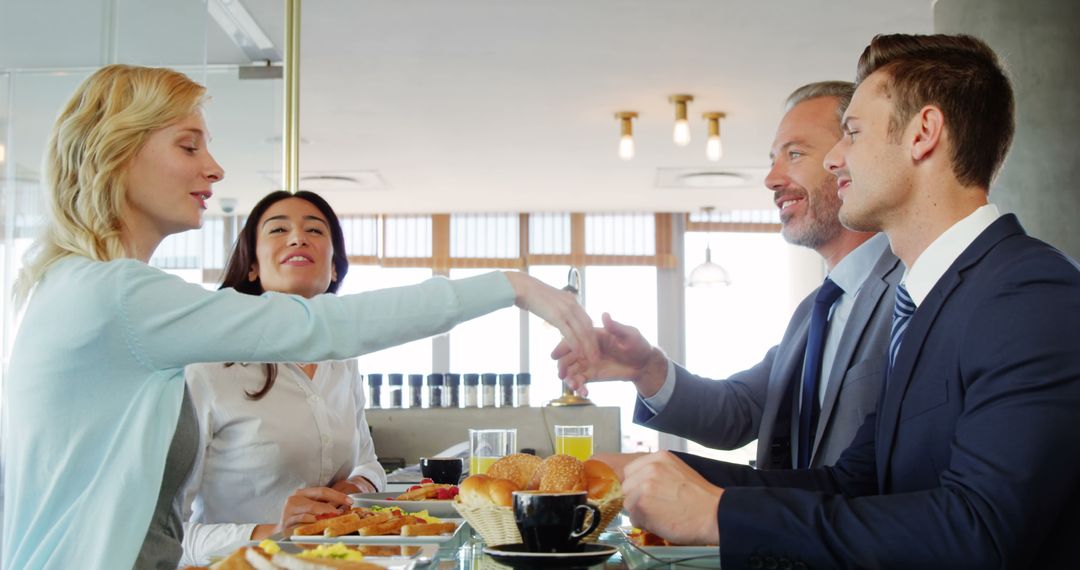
866,304
899,378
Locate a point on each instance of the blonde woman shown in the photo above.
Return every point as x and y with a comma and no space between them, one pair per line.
98,434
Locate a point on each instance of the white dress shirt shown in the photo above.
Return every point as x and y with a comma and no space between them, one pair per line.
849,274
932,263
253,454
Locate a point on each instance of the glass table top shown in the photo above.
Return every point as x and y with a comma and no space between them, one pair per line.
466,552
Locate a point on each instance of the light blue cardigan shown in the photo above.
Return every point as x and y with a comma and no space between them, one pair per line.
96,381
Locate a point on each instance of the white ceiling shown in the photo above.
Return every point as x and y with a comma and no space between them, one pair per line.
468,105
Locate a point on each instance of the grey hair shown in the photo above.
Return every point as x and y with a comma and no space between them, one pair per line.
841,90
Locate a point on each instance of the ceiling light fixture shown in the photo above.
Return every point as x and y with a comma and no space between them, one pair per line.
681,134
626,141
713,149
708,274
3,152
241,28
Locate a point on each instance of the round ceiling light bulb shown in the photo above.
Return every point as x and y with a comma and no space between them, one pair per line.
714,151
626,147
713,148
626,129
681,134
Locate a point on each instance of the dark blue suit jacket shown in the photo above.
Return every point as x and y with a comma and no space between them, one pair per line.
973,457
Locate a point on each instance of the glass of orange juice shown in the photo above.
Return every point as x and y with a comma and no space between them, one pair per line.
486,446
574,440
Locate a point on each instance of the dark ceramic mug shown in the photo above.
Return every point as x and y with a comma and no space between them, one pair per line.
551,521
446,470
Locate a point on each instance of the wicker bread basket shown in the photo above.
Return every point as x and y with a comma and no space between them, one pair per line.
609,509
496,524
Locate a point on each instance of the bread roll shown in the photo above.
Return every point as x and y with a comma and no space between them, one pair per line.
517,467
559,473
602,481
481,490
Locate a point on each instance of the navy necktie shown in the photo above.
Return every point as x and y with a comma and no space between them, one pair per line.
815,345
902,312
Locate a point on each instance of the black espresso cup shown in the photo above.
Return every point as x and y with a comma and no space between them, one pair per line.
552,521
445,470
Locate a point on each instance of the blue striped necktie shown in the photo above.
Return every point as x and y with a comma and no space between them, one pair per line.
815,345
902,312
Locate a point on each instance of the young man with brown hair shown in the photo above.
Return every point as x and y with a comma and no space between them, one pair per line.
969,459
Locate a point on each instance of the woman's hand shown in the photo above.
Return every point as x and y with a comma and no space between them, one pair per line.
305,505
560,308
354,485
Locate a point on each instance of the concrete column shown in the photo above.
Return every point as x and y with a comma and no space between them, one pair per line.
1039,43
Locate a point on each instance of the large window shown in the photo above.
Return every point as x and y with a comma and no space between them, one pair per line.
409,358
491,343
542,340
628,294
729,329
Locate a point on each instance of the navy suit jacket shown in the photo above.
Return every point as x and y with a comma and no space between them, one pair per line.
971,460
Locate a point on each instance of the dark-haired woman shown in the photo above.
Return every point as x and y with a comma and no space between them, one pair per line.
279,443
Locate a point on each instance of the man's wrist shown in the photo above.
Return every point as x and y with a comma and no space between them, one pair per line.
653,374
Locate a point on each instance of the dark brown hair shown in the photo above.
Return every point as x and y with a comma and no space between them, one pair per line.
962,76
243,257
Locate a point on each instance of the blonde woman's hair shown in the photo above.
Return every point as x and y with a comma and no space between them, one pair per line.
96,136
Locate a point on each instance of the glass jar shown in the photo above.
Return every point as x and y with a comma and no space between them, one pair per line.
472,385
506,390
453,386
488,392
416,391
524,382
395,381
435,390
374,384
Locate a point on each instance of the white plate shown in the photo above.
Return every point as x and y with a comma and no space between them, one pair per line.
386,539
434,508
671,553
425,555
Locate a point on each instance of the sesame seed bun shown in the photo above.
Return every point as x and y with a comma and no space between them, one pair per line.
559,473
518,467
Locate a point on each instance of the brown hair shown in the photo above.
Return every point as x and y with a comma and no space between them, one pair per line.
962,76
243,256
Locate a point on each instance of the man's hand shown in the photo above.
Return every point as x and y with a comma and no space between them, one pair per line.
667,497
624,355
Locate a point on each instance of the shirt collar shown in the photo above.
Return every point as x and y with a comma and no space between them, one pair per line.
932,263
855,267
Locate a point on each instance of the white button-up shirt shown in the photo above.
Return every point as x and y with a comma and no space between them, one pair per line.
253,454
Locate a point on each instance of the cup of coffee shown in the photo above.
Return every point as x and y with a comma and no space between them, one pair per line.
552,521
445,470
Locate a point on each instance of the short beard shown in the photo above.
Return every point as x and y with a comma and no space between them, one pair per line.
822,221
